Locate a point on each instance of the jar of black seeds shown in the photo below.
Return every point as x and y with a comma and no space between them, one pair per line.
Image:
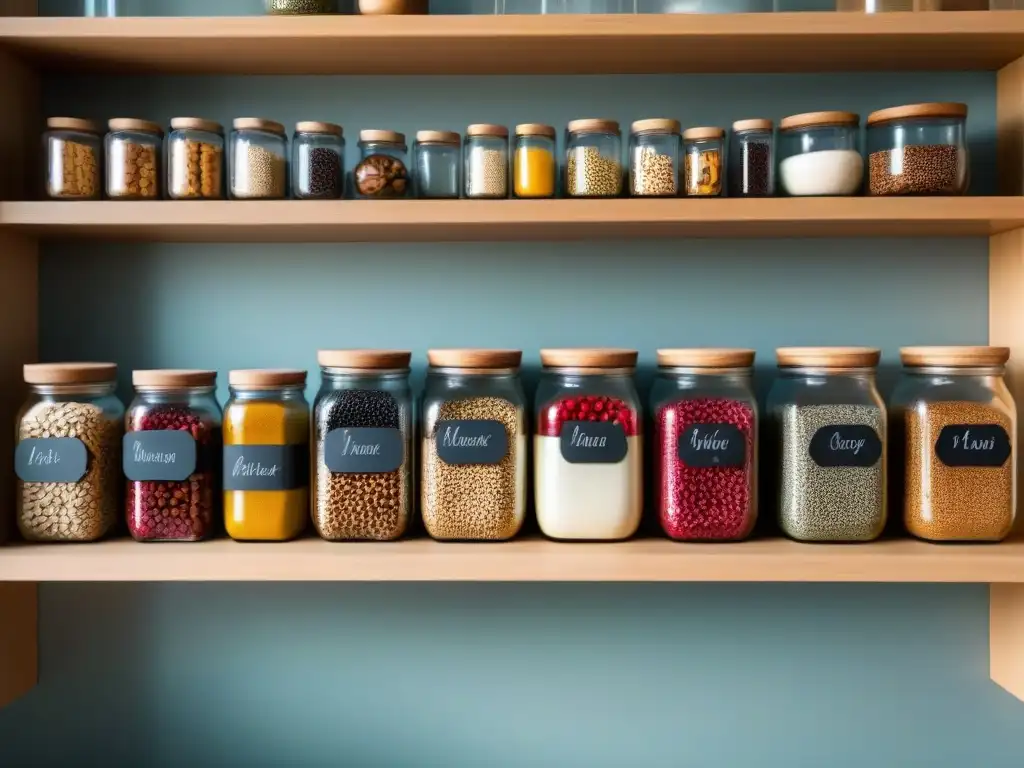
752,159
318,159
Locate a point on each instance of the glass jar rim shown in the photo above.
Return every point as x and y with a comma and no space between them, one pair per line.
580,371
955,370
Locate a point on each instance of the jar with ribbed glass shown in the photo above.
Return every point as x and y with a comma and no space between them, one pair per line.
593,159
437,156
751,167
654,158
819,154
318,161
486,161
195,159
133,159
363,430
534,164
703,162
918,149
73,150
473,484
382,171
259,159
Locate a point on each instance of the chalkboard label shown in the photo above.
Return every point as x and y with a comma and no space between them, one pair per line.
167,455
471,441
364,449
846,445
50,460
593,442
973,445
704,446
265,467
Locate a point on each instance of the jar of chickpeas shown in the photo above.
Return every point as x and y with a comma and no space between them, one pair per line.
133,159
593,159
73,150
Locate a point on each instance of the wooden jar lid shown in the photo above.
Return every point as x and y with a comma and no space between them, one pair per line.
535,129
809,119
369,359
753,124
594,357
313,126
656,125
73,124
374,134
171,378
907,111
487,129
474,358
703,132
132,124
706,357
828,357
593,125
954,357
69,373
266,378
258,124
196,124
439,137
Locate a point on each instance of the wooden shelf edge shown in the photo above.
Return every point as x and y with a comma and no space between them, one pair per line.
18,640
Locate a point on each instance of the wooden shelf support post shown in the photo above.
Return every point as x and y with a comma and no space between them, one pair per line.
18,639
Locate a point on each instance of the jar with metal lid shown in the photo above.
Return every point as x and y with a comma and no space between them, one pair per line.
588,445
436,158
956,422
259,160
133,159
73,149
172,455
486,161
266,455
654,158
474,445
363,430
195,159
318,161
828,424
535,167
300,7
67,458
593,159
382,171
918,149
705,442
703,161
820,154
752,159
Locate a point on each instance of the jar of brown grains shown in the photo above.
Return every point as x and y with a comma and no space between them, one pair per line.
73,149
918,149
133,159
195,159
593,158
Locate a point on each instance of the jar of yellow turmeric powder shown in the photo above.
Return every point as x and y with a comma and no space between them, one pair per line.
266,455
534,165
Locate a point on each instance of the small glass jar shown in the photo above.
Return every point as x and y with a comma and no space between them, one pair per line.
259,164
918,149
956,421
133,159
318,161
436,158
486,161
588,445
654,158
593,159
382,170
819,154
474,445
73,149
266,455
300,7
752,159
703,162
535,168
828,423
172,455
195,159
68,455
705,439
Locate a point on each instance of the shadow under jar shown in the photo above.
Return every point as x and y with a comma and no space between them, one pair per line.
819,154
654,158
918,149
259,165
593,159
133,159
752,159
318,161
382,170
73,150
485,152
195,159
436,159
703,162
172,454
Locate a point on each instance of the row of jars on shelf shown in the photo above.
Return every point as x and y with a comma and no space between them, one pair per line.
952,417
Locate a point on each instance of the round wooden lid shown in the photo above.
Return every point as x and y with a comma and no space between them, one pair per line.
930,109
266,378
196,124
703,132
132,124
439,137
535,129
656,125
954,357
474,358
73,124
487,129
705,357
752,124
69,373
312,126
170,378
374,134
595,357
370,359
593,125
828,357
258,124
807,119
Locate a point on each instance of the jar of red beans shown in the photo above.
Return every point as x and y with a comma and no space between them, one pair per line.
588,449
172,445
705,438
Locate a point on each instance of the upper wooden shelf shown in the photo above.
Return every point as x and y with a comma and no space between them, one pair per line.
564,44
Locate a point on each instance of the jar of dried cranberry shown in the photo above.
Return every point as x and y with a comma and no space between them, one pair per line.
705,436
172,445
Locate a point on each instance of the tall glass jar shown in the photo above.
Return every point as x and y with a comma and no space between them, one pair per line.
752,159
829,426
486,161
918,149
705,439
67,459
436,158
73,149
382,171
654,158
593,159
535,167
703,162
195,159
133,159
474,445
318,161
172,455
957,423
259,164
266,455
588,445
364,445
819,154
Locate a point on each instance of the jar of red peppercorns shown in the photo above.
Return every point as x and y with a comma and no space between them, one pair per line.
588,451
705,435
172,445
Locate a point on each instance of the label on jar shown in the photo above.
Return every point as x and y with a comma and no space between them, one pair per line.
846,445
471,441
50,460
364,449
593,442
710,446
973,445
265,467
167,455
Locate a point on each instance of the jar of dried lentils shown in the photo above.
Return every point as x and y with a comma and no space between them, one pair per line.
474,445
259,151
918,149
73,149
133,159
654,158
486,161
535,166
957,423
318,161
703,161
171,456
68,450
195,159
593,159
382,171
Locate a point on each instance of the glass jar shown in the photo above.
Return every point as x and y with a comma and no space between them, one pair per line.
654,158
888,6
829,425
918,149
820,154
593,159
436,158
300,7
957,423
67,459
486,161
382,171
535,166
752,159
195,159
364,445
703,161
259,152
474,445
73,149
172,453
133,159
318,161
266,455
705,438
588,447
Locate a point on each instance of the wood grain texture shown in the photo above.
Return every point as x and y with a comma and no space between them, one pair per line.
1006,637
19,130
18,8
18,640
1010,128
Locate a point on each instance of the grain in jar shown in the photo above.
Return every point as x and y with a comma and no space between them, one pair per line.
73,149
535,168
318,161
703,161
259,149
382,172
195,159
133,159
486,161
918,149
654,158
593,159
751,167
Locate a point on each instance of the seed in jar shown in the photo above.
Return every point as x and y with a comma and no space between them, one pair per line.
258,173
78,171
322,172
654,174
381,175
929,169
134,170
703,173
591,174
487,175
752,174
